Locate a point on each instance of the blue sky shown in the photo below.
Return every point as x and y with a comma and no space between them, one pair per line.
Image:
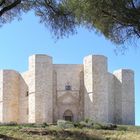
19,40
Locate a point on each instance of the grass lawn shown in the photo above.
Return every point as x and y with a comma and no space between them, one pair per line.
53,132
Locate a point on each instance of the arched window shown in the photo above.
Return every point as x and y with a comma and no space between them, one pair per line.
68,115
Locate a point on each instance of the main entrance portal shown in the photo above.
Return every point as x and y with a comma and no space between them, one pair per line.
68,116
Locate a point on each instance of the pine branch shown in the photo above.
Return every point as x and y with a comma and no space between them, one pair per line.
2,2
9,7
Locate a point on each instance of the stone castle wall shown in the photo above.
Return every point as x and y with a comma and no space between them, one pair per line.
13,104
68,99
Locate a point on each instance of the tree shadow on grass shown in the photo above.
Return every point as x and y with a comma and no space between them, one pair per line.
76,135
65,134
4,137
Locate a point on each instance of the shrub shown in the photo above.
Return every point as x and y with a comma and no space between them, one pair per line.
9,124
88,123
28,125
45,125
105,126
121,128
80,124
64,124
97,126
34,125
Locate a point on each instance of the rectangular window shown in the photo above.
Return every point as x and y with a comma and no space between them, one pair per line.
67,87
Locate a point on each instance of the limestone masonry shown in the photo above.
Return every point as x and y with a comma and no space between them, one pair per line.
48,92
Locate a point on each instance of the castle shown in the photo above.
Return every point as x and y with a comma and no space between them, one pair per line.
48,92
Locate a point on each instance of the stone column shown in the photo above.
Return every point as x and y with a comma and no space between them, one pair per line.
41,89
96,88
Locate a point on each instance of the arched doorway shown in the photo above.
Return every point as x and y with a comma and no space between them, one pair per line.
68,115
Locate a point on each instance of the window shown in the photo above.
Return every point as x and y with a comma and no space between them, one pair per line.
67,87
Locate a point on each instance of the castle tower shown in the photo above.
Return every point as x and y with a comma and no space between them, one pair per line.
40,89
124,97
9,96
96,88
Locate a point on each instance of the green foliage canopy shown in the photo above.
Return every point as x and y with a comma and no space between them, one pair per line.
117,20
51,12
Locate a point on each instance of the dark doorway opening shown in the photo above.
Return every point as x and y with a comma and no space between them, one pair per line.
68,118
68,115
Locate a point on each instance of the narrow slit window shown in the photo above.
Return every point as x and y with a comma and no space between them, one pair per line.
27,93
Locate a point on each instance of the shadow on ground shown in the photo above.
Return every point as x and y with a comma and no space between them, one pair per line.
4,137
64,134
